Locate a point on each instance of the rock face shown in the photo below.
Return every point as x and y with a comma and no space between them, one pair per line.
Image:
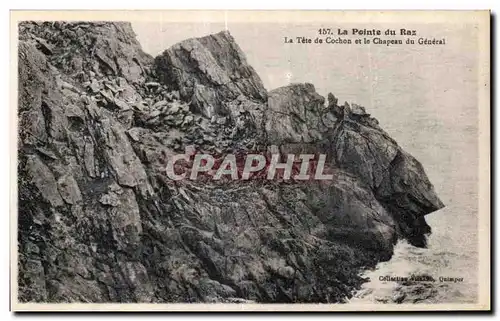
296,114
357,145
211,72
85,49
100,221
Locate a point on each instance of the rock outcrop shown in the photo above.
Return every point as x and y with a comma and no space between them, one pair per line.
212,73
100,221
297,118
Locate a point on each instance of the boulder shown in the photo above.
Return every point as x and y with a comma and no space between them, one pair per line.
294,114
43,179
210,72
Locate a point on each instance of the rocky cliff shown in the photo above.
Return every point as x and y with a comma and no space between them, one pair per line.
100,221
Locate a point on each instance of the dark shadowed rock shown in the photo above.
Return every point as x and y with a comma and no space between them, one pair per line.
100,221
397,179
296,115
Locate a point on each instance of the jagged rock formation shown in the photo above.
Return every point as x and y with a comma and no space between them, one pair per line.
100,221
212,73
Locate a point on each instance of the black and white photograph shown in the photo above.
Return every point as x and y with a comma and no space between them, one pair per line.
251,161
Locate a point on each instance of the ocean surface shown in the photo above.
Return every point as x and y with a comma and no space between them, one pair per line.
425,97
449,155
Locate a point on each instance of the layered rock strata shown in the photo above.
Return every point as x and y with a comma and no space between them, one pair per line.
100,221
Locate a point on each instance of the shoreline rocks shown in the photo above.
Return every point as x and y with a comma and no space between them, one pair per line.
100,221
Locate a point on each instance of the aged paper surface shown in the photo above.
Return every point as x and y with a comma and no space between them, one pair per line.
250,161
